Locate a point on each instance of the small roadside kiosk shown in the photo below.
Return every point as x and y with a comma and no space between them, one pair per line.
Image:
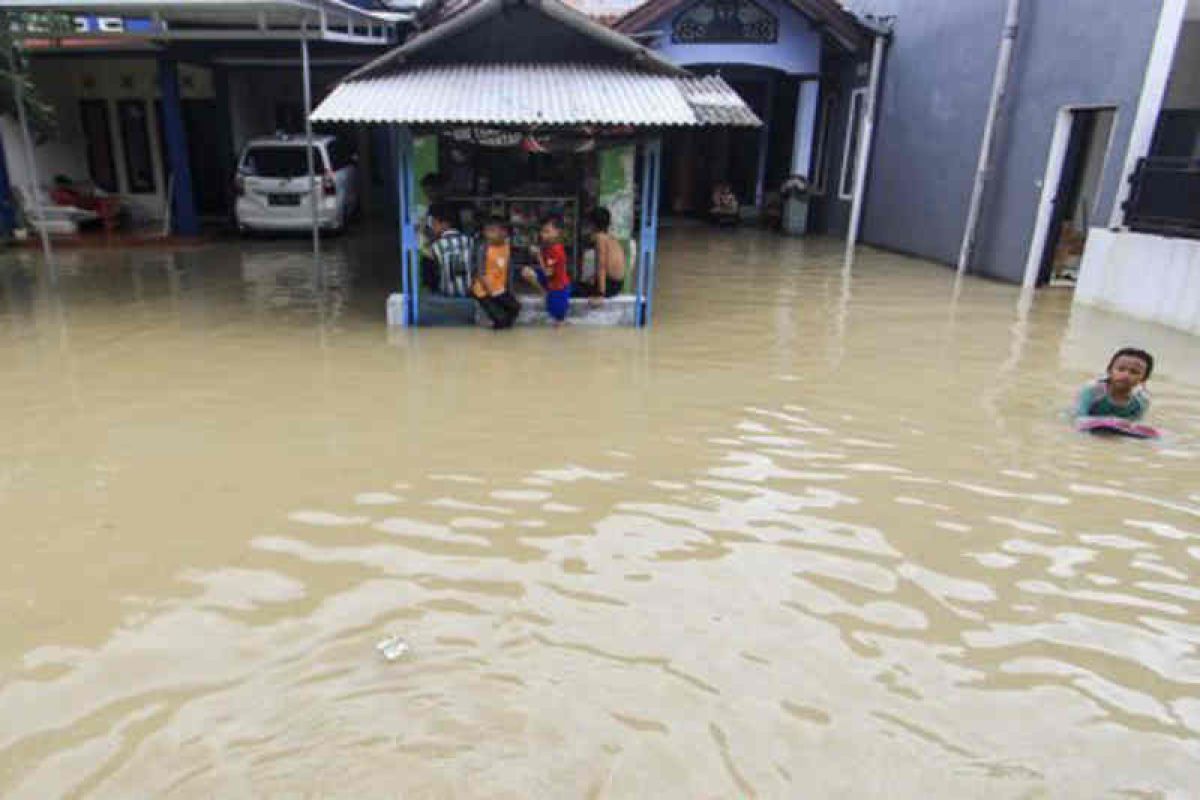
525,108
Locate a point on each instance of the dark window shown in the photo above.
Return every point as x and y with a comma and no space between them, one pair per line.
94,117
135,138
1165,197
280,161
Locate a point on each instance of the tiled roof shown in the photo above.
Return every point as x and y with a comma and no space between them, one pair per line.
535,95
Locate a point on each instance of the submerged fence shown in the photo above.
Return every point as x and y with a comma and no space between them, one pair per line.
1165,197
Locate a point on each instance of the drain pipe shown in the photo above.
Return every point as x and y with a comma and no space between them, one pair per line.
314,190
1012,20
882,32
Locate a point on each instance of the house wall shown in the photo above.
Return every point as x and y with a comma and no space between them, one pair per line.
64,82
933,106
1148,277
797,51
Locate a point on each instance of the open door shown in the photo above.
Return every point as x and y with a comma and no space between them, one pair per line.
1073,206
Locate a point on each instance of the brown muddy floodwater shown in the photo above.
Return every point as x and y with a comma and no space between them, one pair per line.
814,535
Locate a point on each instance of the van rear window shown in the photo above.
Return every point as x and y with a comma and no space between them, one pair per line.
280,162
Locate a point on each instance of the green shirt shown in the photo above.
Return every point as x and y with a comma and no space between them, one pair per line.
1095,401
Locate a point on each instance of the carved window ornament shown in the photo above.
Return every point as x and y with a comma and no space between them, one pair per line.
724,22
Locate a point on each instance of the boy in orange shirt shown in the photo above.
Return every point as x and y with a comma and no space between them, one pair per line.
490,287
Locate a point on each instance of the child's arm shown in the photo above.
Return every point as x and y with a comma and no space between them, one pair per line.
603,261
532,279
1083,403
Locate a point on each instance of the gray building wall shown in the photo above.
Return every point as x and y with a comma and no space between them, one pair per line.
935,94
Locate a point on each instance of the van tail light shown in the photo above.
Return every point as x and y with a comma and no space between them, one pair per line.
239,186
329,185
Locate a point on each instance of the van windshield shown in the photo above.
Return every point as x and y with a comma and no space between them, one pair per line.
280,162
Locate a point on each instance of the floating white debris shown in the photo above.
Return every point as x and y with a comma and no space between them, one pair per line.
375,498
393,648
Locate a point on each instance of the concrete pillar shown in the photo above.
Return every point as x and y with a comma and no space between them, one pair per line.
183,202
804,139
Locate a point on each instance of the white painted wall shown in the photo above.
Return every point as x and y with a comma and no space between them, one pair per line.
64,83
1152,278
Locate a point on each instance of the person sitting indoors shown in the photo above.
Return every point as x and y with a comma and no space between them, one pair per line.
68,193
551,272
1120,392
452,251
610,260
725,207
490,287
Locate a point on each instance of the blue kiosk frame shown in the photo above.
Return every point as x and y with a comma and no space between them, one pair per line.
647,241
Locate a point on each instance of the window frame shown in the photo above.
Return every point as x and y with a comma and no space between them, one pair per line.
854,119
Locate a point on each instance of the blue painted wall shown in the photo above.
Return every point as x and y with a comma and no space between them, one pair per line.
935,93
797,51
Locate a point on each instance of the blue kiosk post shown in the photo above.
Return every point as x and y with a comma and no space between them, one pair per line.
183,205
8,216
410,257
648,229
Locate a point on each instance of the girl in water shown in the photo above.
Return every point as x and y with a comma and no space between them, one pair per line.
1119,393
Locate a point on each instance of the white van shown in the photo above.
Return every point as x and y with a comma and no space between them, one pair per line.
271,185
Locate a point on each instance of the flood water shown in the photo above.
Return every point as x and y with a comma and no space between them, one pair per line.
815,534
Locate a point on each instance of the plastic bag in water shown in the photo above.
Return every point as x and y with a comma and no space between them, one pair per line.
393,648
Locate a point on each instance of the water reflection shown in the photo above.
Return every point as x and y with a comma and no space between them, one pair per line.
707,566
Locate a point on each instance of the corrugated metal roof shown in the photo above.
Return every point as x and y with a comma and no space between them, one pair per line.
535,94
714,102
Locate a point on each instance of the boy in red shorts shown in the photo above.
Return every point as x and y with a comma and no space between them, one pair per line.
551,273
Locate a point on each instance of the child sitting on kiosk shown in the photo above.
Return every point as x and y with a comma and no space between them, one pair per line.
490,287
610,260
550,275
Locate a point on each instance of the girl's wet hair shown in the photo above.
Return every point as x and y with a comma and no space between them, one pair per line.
1133,352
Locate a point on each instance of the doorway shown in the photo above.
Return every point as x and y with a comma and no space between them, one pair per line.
97,134
209,178
1070,195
